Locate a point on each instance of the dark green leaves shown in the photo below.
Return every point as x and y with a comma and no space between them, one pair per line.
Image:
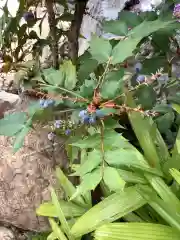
100,49
117,27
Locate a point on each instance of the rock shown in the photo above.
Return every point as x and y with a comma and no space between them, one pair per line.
7,101
25,177
6,234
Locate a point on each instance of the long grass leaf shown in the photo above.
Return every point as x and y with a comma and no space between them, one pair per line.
136,231
60,214
110,209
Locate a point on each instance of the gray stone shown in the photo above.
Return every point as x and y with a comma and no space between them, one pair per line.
6,234
25,177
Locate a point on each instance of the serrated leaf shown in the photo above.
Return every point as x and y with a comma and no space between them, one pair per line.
69,209
100,49
54,77
113,180
124,49
108,210
129,231
111,139
86,67
117,27
89,182
132,19
12,123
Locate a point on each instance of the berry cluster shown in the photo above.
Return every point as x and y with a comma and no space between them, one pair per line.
87,118
44,103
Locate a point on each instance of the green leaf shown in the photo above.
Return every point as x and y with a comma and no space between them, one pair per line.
70,75
69,209
12,123
130,158
89,182
147,27
115,75
129,231
131,177
92,161
146,96
60,214
165,122
124,49
175,174
68,187
18,143
110,89
162,208
100,49
54,77
86,67
108,210
144,130
153,64
57,230
117,27
111,139
113,180
176,107
130,18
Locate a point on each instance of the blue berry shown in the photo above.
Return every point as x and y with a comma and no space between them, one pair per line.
85,119
82,113
138,67
45,105
68,132
92,120
51,136
100,113
57,123
140,78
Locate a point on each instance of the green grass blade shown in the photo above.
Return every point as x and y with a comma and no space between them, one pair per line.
164,191
69,209
166,211
136,231
110,209
143,130
69,188
175,174
60,214
57,230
